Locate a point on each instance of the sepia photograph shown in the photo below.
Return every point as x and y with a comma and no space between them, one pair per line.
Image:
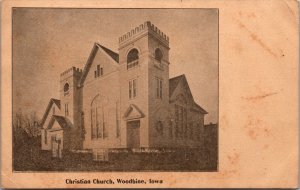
107,89
149,94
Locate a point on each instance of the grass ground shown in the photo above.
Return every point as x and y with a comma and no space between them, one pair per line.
31,158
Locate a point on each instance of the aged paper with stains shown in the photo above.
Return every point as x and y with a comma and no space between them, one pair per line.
149,94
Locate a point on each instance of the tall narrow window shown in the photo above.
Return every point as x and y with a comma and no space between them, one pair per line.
93,127
176,121
181,116
101,71
118,129
180,121
105,131
159,89
66,110
132,88
46,136
117,121
185,122
158,55
98,119
98,70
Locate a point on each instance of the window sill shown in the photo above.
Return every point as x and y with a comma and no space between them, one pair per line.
132,68
159,65
133,64
132,98
99,139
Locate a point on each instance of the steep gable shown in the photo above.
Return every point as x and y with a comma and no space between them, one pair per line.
178,86
133,112
179,81
99,51
52,103
62,122
173,83
112,54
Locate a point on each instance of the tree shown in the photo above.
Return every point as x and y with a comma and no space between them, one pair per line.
25,129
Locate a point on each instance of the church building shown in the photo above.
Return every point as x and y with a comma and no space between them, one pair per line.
124,100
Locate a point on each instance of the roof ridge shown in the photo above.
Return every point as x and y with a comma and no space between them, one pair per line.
113,55
182,75
51,101
173,83
110,52
62,121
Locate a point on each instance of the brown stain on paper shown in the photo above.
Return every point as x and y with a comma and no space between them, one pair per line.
228,173
256,39
255,128
238,47
253,134
259,97
234,159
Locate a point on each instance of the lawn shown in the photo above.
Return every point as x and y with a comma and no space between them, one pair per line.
31,158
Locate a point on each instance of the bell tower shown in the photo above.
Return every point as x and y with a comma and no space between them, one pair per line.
71,103
144,75
70,94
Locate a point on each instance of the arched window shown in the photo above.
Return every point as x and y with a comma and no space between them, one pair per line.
181,117
158,55
98,120
132,58
66,88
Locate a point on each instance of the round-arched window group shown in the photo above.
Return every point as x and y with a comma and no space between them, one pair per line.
133,57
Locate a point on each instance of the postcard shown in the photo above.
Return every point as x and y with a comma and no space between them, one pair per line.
149,94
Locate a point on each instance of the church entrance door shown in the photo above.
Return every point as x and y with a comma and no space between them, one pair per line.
56,147
133,134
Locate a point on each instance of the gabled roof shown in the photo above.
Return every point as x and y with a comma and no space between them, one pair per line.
51,102
133,112
56,101
114,56
63,122
174,82
203,111
111,53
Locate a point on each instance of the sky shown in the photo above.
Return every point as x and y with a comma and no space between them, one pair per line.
46,42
